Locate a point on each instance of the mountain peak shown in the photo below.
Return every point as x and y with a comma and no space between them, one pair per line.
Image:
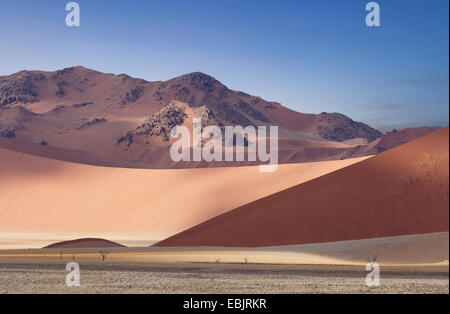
198,80
197,76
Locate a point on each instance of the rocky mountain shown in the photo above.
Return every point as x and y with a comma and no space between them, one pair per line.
122,121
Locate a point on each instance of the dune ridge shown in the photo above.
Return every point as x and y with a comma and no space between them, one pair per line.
402,191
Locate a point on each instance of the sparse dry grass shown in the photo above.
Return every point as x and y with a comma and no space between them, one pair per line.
211,278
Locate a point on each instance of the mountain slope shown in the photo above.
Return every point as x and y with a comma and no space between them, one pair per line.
89,111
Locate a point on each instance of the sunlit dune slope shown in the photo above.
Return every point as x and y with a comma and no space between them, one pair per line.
402,191
44,196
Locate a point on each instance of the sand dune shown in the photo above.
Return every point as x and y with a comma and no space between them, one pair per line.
43,201
403,136
391,140
399,192
84,243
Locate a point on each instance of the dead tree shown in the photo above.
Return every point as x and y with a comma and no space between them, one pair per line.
372,259
103,254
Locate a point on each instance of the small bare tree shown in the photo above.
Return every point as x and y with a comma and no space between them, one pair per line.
372,259
103,254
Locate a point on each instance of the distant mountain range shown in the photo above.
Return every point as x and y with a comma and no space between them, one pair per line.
81,115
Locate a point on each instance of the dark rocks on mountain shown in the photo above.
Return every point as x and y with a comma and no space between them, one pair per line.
125,77
198,81
255,100
17,99
83,104
92,123
270,106
20,89
184,94
195,89
132,95
207,116
159,124
60,92
252,112
216,97
128,137
338,127
60,83
59,108
162,122
65,71
157,96
246,142
230,115
8,133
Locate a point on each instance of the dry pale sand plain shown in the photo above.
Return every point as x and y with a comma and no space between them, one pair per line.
214,279
43,201
428,250
408,264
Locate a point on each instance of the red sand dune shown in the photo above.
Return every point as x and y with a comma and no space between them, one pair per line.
402,191
84,243
403,136
43,201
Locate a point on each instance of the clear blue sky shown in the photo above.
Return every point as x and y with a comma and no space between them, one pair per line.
311,56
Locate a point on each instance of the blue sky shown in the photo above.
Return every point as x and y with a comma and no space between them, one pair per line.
311,56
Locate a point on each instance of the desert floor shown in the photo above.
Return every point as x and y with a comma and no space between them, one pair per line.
216,278
408,264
